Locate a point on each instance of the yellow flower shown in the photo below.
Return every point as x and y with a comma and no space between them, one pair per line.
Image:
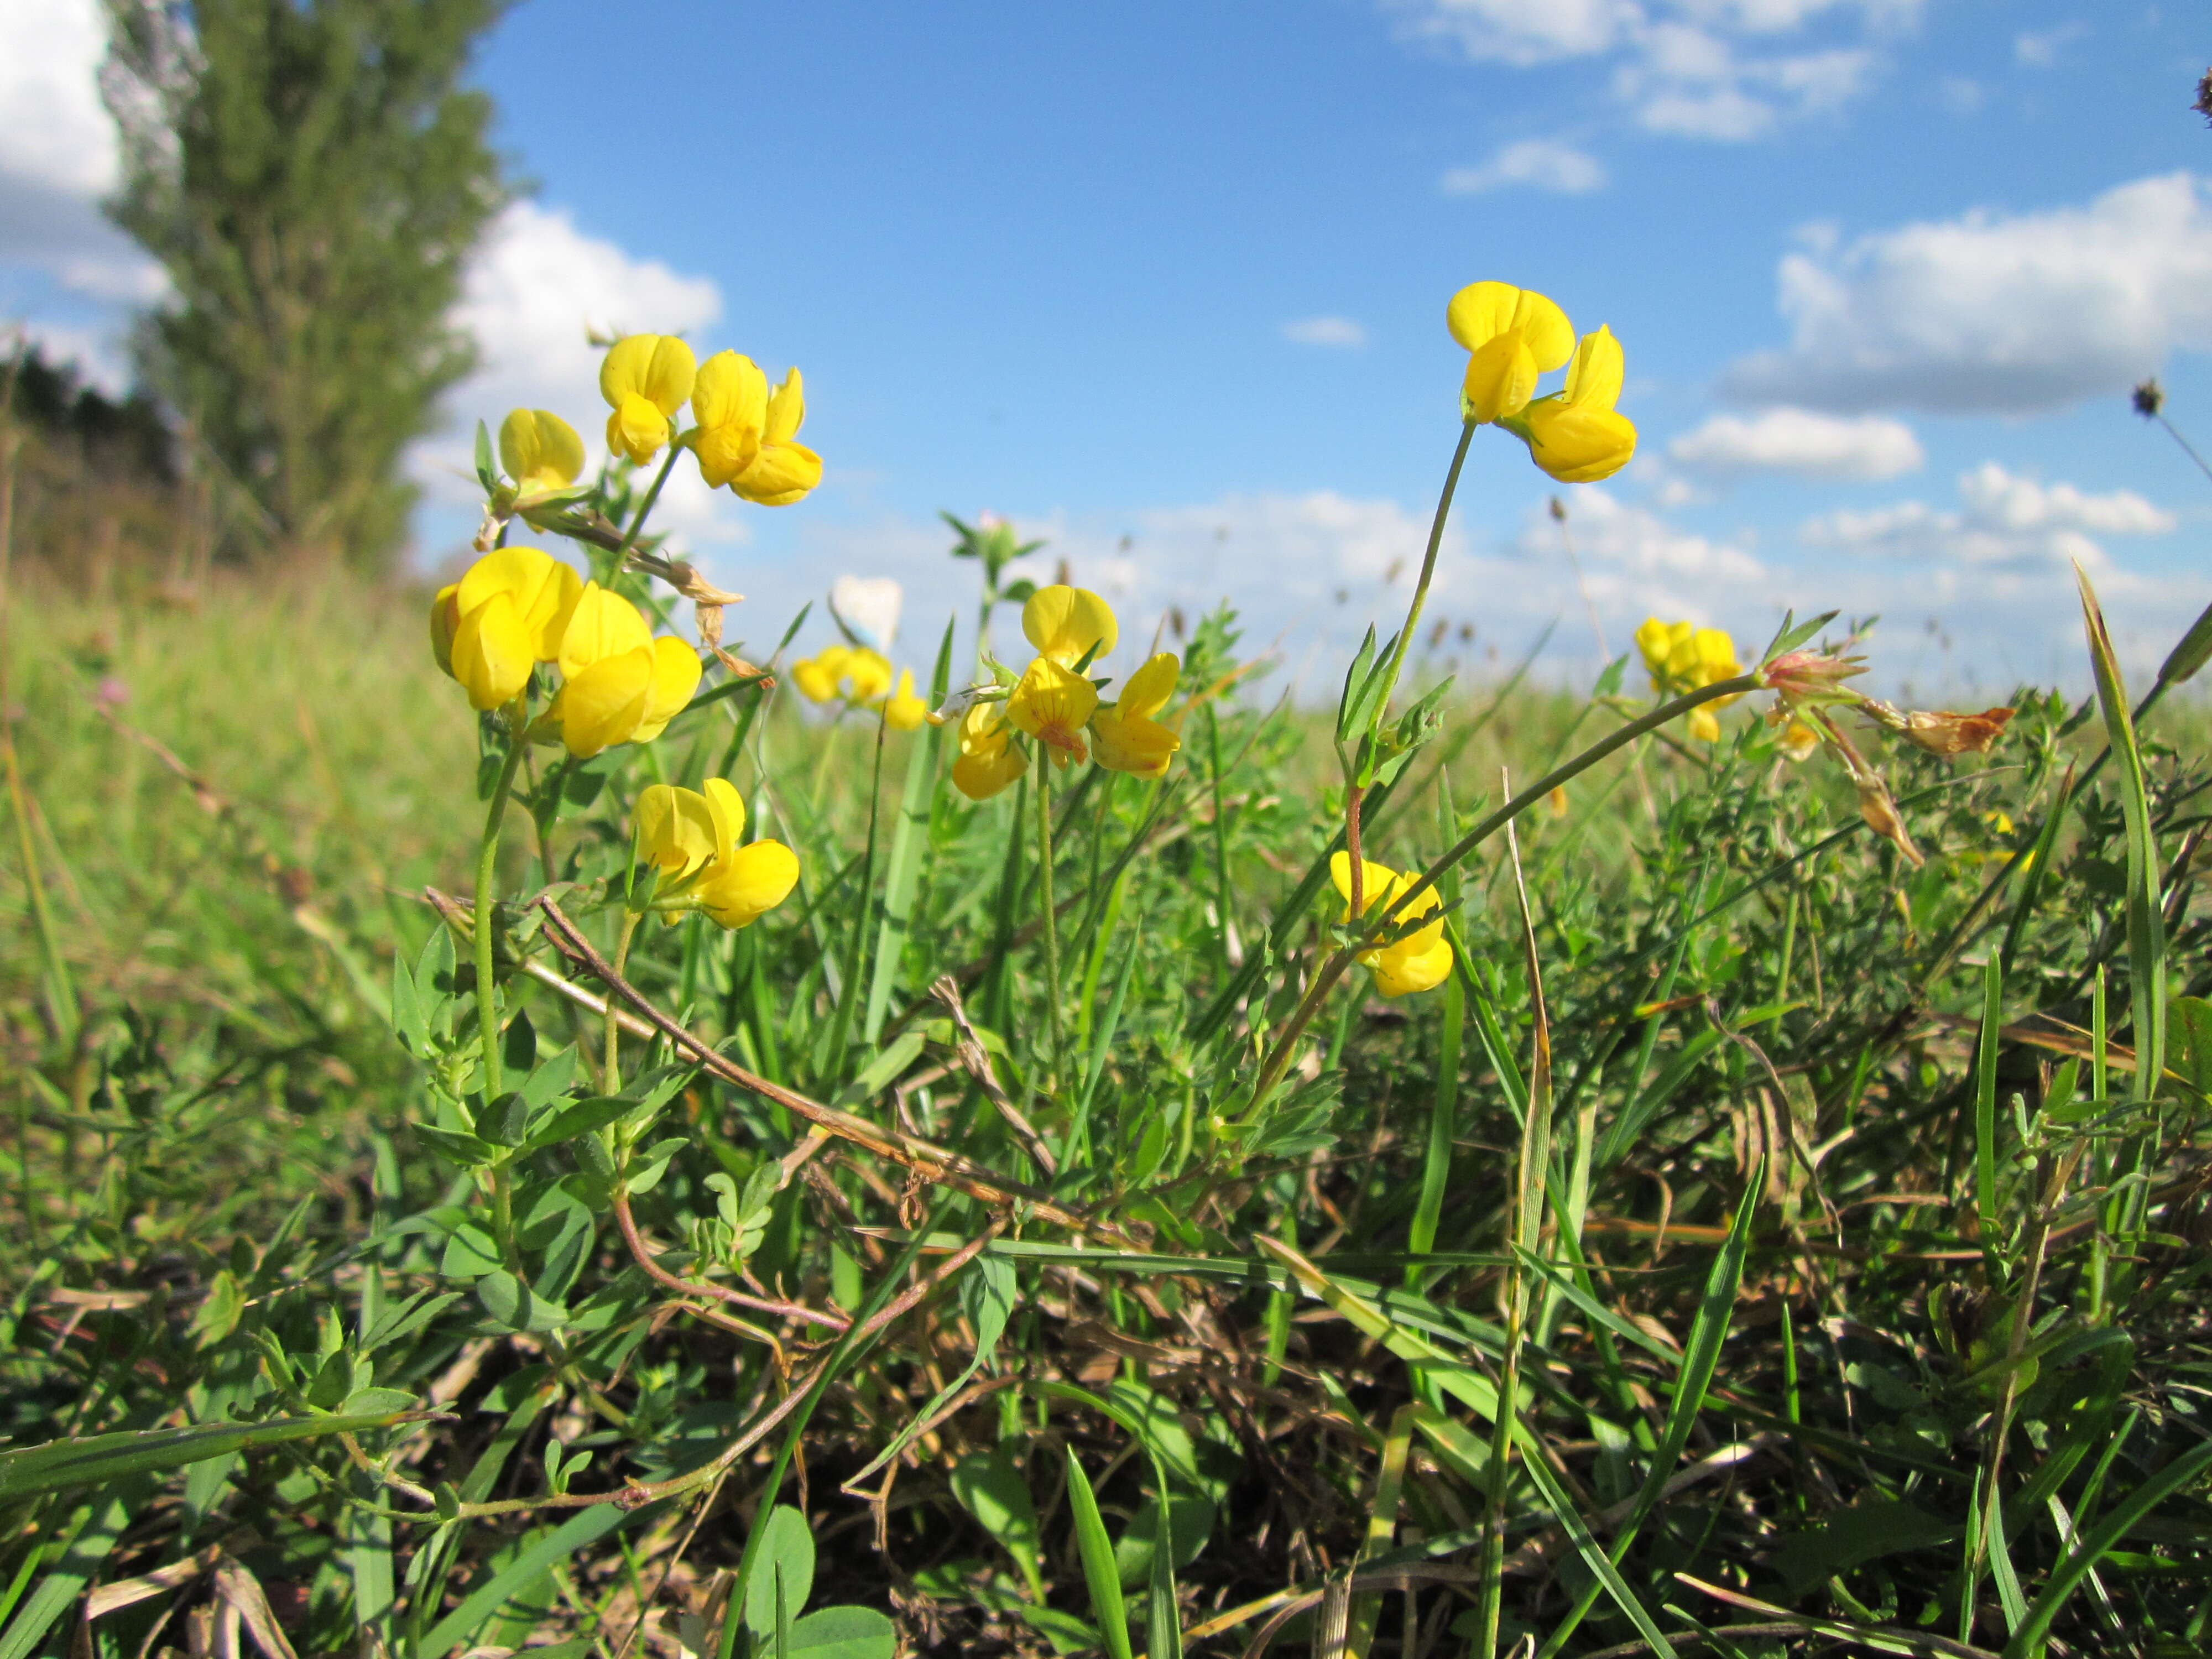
990,759
1513,335
782,470
695,837
1128,739
904,711
1068,623
645,379
1798,741
1052,704
507,613
854,674
728,399
1681,657
817,675
541,452
619,684
1418,962
1575,434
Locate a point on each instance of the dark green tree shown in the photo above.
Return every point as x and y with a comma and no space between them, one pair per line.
313,176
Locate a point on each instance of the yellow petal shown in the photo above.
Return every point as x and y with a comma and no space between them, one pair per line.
637,428
779,474
1501,378
1705,725
1065,622
730,391
601,625
543,590
540,451
1377,881
445,617
867,675
491,653
983,730
1480,312
816,682
728,807
1651,641
1594,378
1578,443
1131,744
786,410
657,367
904,711
676,670
603,704
1400,970
981,776
676,827
1052,704
1149,687
724,452
752,881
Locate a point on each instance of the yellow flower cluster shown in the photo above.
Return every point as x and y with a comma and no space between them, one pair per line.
1514,336
1054,706
745,435
859,678
518,607
1681,657
1418,961
691,838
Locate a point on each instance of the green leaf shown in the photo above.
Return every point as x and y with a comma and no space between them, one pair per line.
1849,1538
580,1119
2146,919
2189,1029
464,1152
990,1486
65,1580
98,1459
787,1554
842,1633
586,1527
1101,1572
515,1305
487,473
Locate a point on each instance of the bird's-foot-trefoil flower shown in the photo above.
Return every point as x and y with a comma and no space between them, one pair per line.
856,676
619,682
1576,435
1052,704
1067,625
902,710
1513,336
541,453
1124,736
507,613
1419,961
782,470
729,397
691,837
1681,657
645,379
990,757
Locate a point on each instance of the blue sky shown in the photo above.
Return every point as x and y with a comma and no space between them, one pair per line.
1884,270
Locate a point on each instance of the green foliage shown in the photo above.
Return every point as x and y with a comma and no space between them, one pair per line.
312,178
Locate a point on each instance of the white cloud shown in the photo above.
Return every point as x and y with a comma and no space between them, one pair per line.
1539,163
2040,48
1802,442
1339,332
1699,68
2005,521
53,130
1997,313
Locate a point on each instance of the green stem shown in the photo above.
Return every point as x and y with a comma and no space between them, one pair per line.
1428,571
1044,887
645,506
487,896
612,1081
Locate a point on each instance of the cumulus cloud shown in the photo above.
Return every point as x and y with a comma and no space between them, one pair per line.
1538,163
2040,48
1996,313
1719,69
1801,442
2005,521
1339,332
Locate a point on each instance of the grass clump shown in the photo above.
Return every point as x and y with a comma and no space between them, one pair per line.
470,1197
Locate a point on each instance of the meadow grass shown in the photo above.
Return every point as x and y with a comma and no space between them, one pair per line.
1843,1280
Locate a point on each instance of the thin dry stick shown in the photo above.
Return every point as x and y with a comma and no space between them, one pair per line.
933,1163
975,1059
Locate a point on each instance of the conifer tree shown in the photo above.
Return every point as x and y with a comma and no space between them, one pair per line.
312,175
